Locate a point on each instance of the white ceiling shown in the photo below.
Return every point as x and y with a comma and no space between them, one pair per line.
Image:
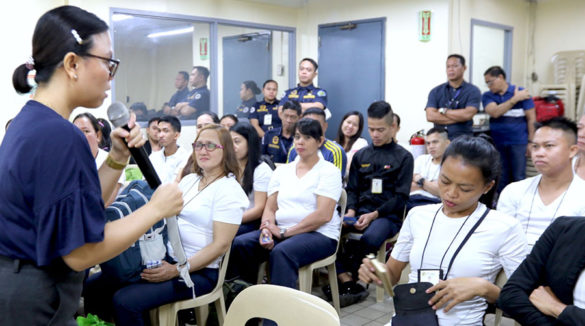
284,3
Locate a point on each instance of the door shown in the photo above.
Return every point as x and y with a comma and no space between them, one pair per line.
351,68
245,57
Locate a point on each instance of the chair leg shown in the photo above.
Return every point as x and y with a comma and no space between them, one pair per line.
334,287
201,314
381,256
220,308
167,316
305,279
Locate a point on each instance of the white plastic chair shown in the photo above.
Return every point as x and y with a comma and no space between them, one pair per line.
285,306
167,314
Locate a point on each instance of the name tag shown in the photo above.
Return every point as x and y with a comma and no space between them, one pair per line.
432,276
267,119
376,186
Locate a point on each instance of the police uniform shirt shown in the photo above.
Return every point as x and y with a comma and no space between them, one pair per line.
199,99
179,96
445,96
305,94
390,163
276,146
263,109
510,128
245,108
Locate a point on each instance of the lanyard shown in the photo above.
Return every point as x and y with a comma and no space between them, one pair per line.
462,242
556,210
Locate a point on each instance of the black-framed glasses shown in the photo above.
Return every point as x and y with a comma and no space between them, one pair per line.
210,147
112,63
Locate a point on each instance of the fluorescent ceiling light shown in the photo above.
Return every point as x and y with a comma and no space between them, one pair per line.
172,32
120,17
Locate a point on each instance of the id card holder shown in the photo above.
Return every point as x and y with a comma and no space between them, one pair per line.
376,186
432,276
267,119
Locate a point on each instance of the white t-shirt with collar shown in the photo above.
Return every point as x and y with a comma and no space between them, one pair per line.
223,200
424,166
262,174
497,243
168,167
297,197
522,201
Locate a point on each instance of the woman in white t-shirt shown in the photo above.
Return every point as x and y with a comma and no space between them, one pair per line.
431,234
255,176
300,224
213,206
349,135
89,125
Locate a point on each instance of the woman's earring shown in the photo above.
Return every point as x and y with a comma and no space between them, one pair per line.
74,76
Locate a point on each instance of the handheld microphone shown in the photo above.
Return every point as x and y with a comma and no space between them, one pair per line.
119,115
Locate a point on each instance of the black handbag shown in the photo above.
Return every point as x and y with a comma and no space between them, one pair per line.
411,302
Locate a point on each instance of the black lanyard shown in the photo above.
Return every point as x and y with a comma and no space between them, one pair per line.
462,242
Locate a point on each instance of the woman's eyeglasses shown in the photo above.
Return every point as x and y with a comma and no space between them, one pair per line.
210,147
112,63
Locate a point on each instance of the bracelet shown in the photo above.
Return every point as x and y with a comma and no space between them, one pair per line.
115,164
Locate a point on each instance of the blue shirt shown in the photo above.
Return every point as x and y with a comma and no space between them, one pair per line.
179,96
276,146
308,94
331,151
445,96
244,109
264,108
50,194
199,99
511,127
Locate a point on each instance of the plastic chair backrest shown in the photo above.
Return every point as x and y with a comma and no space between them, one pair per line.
285,306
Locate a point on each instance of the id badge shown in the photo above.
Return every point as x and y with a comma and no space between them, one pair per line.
376,186
432,276
267,119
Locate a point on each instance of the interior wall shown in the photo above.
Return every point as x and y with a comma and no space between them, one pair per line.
559,27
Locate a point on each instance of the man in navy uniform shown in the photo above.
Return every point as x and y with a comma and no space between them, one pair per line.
182,85
198,100
278,141
453,104
306,93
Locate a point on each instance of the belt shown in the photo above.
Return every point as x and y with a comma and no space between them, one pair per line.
16,263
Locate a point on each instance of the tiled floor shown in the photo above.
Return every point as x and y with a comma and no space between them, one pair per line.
371,313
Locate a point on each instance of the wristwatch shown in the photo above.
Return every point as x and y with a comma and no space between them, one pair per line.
442,110
421,182
282,232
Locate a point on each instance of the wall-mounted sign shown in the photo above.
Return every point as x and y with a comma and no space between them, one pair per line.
203,48
424,25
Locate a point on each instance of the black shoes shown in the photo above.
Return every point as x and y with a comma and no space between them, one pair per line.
349,293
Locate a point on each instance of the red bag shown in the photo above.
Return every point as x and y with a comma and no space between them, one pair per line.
548,107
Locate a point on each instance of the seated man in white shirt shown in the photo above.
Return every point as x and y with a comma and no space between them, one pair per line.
168,161
424,189
537,201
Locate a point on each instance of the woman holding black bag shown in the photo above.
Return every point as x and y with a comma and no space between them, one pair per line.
455,248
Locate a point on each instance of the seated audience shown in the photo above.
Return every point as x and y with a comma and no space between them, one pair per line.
278,141
152,131
182,86
330,150
105,143
255,174
90,127
579,161
168,161
397,127
431,235
377,190
537,201
248,92
265,116
214,204
197,101
349,135
228,121
424,188
140,110
548,288
300,224
205,119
